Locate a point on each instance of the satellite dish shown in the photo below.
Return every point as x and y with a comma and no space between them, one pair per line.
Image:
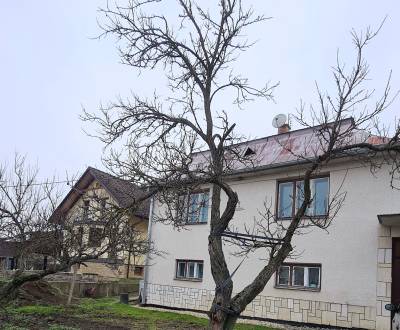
279,120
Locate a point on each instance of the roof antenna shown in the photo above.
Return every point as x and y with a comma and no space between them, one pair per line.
279,122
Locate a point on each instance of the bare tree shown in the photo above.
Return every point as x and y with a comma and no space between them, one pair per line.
135,244
30,222
165,138
23,207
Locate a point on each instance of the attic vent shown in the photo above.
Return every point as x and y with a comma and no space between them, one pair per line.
249,152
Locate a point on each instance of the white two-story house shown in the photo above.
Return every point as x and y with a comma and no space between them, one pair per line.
341,277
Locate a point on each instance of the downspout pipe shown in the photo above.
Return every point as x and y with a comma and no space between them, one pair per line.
147,261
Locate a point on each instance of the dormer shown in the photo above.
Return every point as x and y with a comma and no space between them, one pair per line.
248,152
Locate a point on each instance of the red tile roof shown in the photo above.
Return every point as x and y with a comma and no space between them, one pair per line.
289,148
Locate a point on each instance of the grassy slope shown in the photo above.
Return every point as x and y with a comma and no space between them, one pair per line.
96,309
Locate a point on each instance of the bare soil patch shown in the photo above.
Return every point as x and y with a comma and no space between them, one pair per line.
39,292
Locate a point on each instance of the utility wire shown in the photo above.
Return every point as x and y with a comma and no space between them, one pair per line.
68,182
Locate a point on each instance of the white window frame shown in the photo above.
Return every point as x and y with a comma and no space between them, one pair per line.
187,264
319,277
304,276
184,269
186,214
291,284
310,212
279,278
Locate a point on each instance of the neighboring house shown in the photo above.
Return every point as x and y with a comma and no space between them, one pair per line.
343,277
8,252
39,256
110,190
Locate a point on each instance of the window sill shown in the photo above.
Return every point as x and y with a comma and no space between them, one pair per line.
195,223
188,279
314,217
90,222
300,288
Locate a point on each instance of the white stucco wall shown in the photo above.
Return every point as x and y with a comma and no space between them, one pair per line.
347,252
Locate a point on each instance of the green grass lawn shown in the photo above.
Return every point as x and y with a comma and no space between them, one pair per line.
101,314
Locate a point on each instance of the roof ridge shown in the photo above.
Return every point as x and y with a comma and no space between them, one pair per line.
304,129
112,176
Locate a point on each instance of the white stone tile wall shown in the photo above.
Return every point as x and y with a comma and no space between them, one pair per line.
276,308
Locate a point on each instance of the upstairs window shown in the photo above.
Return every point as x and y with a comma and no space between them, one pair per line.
85,210
94,239
79,234
189,270
103,204
193,207
291,196
299,276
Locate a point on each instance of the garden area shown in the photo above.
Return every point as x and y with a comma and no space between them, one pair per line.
100,314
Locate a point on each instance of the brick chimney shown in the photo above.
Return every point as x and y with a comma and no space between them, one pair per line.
283,129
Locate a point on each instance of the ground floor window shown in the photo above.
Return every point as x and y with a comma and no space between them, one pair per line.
138,270
189,270
299,276
7,263
11,263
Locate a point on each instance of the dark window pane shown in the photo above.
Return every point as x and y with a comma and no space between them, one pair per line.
204,207
181,269
285,199
313,277
191,266
298,276
138,271
200,270
193,208
319,195
103,204
80,236
94,239
321,191
85,214
11,264
283,275
300,196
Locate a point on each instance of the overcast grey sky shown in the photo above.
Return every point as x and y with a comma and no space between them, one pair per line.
50,68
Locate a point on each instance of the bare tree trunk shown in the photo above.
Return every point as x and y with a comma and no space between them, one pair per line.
21,263
129,264
219,268
72,285
223,291
230,322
